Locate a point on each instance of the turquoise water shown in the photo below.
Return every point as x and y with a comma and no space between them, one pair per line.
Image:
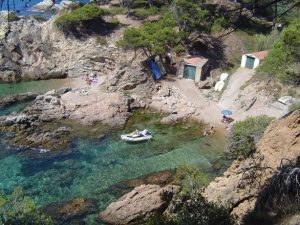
33,86
91,166
17,107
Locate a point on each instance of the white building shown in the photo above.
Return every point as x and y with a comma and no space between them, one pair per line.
252,60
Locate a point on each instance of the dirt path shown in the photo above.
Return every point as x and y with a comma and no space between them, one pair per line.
207,110
231,93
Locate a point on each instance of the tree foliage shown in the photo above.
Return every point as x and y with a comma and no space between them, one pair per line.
189,14
80,15
198,211
283,59
152,37
190,179
17,209
245,134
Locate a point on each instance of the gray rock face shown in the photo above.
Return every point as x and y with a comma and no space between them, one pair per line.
23,53
10,99
33,50
138,205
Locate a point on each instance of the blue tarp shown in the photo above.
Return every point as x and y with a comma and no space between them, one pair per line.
154,69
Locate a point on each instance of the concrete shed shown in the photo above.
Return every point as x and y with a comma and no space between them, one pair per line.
195,68
252,60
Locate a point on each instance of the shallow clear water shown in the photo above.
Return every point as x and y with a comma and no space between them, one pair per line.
17,107
92,166
35,86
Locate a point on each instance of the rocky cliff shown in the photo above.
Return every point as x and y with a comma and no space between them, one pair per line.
243,181
33,50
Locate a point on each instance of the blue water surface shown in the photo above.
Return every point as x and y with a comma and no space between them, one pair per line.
24,7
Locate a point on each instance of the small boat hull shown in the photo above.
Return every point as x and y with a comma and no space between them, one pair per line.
129,138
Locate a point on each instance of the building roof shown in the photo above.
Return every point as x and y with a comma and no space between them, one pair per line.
260,55
196,61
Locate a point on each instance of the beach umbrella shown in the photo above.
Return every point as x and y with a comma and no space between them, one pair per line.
226,112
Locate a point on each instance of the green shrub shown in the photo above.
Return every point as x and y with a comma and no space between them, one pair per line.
81,15
115,10
39,18
152,37
283,59
12,16
198,211
17,209
143,13
162,220
245,134
294,106
190,179
218,24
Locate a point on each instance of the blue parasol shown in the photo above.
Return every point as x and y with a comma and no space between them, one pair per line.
226,112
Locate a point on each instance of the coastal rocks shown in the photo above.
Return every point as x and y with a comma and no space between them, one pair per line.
33,50
10,99
70,211
161,178
134,82
138,205
109,108
24,54
26,126
45,6
50,6
170,100
239,187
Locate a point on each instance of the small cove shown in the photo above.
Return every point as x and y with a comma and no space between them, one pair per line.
92,166
38,86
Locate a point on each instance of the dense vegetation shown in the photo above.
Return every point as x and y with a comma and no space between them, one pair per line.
283,59
80,17
190,179
153,37
245,134
198,211
17,209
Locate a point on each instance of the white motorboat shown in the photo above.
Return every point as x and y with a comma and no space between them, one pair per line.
137,136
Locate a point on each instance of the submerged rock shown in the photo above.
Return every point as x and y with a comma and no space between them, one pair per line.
138,205
70,211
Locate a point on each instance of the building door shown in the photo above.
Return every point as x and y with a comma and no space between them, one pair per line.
250,62
189,72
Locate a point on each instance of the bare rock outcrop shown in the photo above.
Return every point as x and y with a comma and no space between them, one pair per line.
242,182
138,205
33,50
10,99
109,108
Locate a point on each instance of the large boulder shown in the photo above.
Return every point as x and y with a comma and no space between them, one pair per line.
138,205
